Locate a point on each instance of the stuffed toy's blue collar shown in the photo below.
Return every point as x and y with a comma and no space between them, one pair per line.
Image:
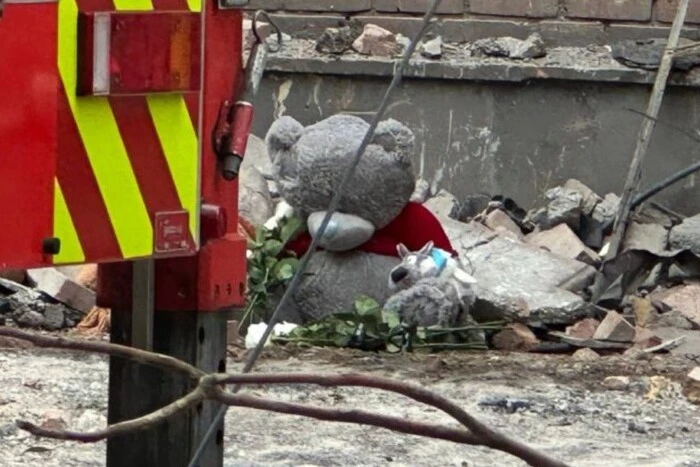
440,258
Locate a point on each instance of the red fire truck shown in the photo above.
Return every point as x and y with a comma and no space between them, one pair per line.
120,138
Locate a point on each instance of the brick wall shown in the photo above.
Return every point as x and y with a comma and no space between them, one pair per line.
659,12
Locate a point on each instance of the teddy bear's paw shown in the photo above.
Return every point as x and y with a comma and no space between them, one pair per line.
344,232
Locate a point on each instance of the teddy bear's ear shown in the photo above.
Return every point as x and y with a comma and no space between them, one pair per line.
395,137
283,133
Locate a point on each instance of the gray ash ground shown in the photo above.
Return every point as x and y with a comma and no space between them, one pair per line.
551,402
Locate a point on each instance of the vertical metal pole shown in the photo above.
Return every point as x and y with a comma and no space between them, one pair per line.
142,303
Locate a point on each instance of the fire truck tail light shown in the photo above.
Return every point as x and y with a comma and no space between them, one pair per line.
138,53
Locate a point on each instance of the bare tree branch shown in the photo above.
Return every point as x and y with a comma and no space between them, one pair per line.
128,426
360,417
210,388
484,435
137,355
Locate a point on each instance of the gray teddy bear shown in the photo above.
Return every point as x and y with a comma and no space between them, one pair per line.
309,163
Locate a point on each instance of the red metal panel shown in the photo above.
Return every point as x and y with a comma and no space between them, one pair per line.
28,114
148,52
215,278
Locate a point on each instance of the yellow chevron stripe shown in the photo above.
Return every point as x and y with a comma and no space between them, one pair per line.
136,5
195,5
71,250
108,158
178,138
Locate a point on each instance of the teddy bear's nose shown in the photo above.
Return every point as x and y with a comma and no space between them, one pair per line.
398,274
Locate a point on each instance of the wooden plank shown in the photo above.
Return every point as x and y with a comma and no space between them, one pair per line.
136,389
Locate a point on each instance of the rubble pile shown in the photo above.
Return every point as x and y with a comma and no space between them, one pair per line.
51,299
543,271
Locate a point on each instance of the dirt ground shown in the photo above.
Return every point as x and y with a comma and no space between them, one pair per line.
561,407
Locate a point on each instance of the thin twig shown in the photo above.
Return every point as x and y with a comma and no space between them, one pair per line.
484,434
121,428
635,172
116,350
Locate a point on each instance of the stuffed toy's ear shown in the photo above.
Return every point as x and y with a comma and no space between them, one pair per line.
396,138
402,250
283,133
427,248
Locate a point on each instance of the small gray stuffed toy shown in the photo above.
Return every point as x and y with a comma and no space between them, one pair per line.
309,163
432,289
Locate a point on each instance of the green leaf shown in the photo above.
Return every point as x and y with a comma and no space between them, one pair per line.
256,274
391,318
290,229
342,341
365,306
284,270
391,348
272,247
260,233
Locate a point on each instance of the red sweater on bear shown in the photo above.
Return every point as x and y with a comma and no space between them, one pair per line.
414,227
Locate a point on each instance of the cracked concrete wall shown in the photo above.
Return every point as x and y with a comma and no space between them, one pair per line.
515,139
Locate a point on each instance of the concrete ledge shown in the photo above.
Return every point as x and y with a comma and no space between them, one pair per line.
593,63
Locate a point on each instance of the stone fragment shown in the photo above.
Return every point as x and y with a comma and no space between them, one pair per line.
254,199
510,47
59,286
376,41
432,48
472,206
616,383
584,329
498,220
53,420
585,355
14,275
562,241
25,317
649,237
443,204
422,191
256,155
644,311
515,336
686,235
595,227
340,39
686,300
516,281
615,328
650,214
589,197
691,386
54,318
564,206
647,53
675,319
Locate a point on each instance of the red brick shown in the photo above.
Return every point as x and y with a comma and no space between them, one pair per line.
665,11
345,6
530,8
635,10
418,6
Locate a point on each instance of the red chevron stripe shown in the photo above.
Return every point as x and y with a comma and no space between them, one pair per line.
170,5
192,103
81,191
145,153
89,6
